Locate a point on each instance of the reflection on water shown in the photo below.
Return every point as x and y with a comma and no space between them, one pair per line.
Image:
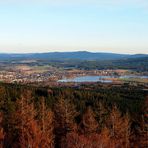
99,78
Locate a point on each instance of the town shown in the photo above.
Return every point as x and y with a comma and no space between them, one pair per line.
26,74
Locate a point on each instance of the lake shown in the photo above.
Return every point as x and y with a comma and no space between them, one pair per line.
81,79
87,79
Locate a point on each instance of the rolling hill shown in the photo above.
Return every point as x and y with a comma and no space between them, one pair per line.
81,55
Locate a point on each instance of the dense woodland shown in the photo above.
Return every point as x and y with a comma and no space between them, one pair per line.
95,117
138,64
135,64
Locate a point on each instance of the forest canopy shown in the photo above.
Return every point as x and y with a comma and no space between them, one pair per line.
72,117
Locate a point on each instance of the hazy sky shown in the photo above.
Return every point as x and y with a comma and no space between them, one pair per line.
68,25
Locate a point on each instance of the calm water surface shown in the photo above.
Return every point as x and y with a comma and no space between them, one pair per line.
98,78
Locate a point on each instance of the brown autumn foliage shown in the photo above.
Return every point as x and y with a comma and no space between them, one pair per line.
47,129
119,129
101,112
88,136
143,139
95,140
65,114
1,131
75,140
29,133
89,124
104,141
46,125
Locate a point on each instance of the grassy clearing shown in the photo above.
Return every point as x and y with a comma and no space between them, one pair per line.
140,80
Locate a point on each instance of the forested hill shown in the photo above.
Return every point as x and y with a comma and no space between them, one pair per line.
137,64
81,55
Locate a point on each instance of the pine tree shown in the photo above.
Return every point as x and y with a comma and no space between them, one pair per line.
119,128
101,113
104,141
127,130
46,125
74,140
29,133
1,131
65,114
89,123
143,140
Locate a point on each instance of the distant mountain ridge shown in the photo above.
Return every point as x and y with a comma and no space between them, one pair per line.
80,55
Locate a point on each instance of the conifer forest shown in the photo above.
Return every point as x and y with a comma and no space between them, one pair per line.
68,117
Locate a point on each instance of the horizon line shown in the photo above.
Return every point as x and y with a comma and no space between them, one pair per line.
70,52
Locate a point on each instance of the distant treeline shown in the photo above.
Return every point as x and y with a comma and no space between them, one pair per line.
139,64
136,64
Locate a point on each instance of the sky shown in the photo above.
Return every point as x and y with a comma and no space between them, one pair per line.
118,26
